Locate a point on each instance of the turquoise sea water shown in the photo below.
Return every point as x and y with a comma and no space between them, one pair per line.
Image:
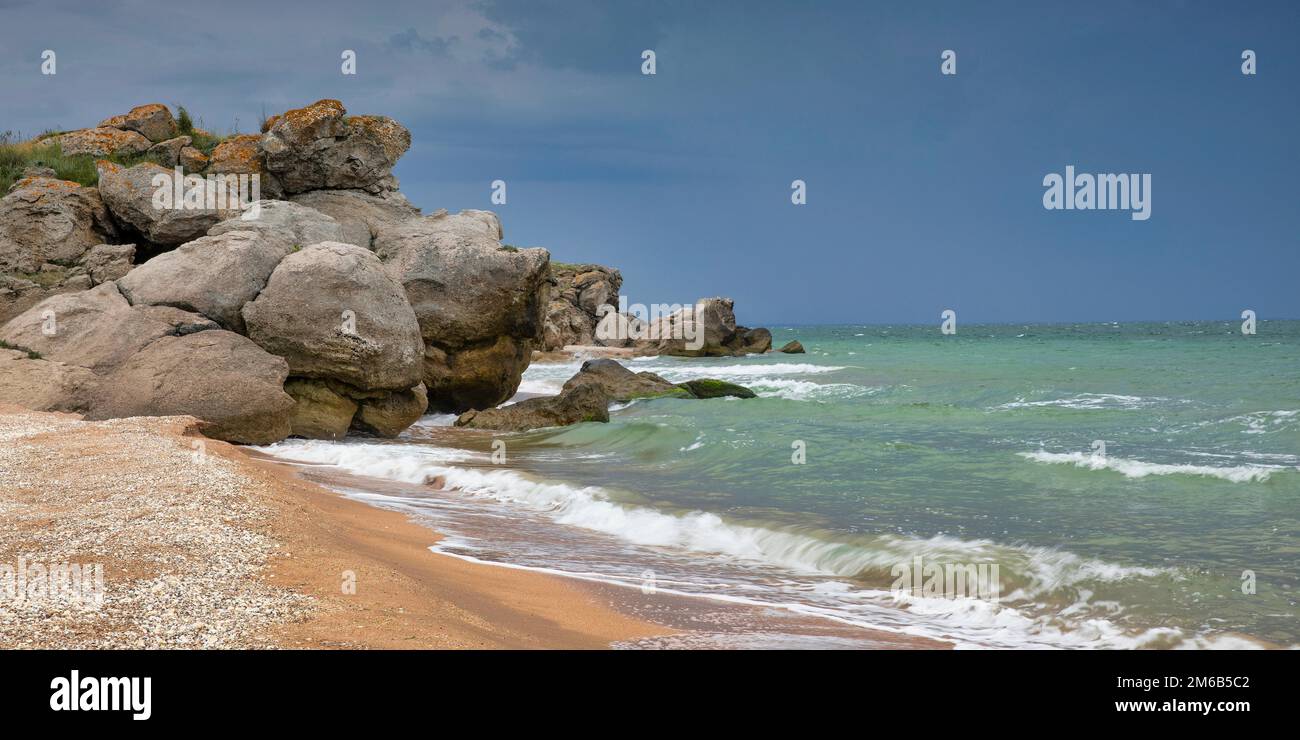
965,449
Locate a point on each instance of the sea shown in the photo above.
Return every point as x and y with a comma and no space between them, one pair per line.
1136,485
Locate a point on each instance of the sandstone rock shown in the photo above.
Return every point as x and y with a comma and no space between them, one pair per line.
751,341
38,171
792,347
192,159
319,412
333,312
710,388
231,385
105,262
577,300
103,142
474,376
46,220
361,215
44,385
154,121
585,402
168,153
294,224
129,194
479,305
239,155
390,415
212,275
621,384
319,147
96,329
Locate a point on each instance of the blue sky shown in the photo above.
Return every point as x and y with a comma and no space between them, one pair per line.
924,190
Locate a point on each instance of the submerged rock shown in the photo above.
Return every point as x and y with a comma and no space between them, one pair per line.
710,388
792,347
621,384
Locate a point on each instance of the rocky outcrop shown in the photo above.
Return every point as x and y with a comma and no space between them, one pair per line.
792,347
129,194
44,220
706,329
241,155
361,215
153,121
333,312
585,402
321,147
234,387
576,300
212,275
97,329
479,304
104,141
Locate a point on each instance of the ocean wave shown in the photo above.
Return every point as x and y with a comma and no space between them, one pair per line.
1140,469
825,574
1088,401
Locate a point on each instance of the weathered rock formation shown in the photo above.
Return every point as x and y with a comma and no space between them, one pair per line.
479,304
321,147
576,300
792,347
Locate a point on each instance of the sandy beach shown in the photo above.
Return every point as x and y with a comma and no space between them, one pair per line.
232,552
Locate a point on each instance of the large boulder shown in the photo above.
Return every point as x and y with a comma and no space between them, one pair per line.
321,147
585,402
621,384
577,303
129,194
333,312
389,415
319,411
96,329
44,385
479,305
168,153
234,387
241,155
361,215
105,141
153,121
45,220
212,275
292,223
105,262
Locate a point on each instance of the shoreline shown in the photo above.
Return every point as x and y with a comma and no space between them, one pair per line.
311,542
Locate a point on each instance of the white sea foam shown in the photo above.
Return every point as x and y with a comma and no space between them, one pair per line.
1139,469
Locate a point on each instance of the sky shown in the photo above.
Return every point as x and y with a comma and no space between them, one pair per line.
924,190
